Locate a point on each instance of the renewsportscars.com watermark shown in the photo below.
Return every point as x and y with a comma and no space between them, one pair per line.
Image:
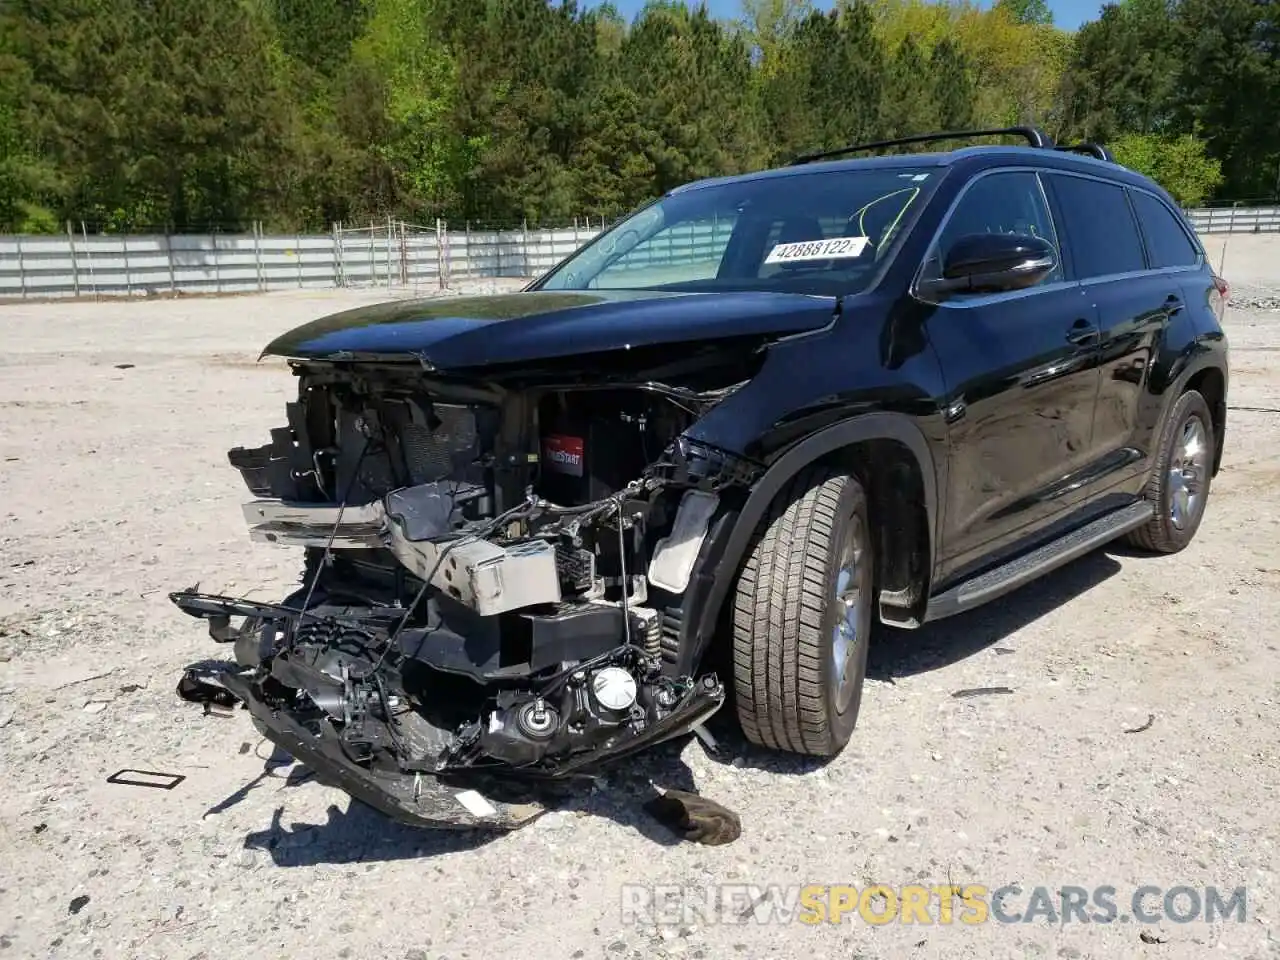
922,904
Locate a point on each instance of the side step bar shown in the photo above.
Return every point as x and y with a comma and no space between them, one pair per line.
1030,566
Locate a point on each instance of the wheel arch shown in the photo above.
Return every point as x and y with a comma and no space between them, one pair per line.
1202,366
847,442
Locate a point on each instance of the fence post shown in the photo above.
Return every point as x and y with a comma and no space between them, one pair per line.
524,245
448,254
128,280
75,268
257,255
338,279
88,256
388,244
217,267
404,255
439,258
22,275
467,254
297,253
168,256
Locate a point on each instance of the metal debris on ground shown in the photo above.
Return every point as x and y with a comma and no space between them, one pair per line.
695,817
161,781
980,692
1151,938
85,679
1151,719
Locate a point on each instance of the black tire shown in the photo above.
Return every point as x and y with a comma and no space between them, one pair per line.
785,615
1167,532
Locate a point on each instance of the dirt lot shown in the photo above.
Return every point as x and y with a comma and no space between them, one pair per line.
114,490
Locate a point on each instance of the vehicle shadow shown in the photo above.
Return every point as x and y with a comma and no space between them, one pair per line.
904,653
360,834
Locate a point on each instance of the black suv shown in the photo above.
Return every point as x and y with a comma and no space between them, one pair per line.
731,430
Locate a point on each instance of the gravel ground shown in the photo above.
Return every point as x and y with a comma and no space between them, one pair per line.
115,491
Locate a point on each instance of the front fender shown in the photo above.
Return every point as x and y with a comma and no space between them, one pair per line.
731,533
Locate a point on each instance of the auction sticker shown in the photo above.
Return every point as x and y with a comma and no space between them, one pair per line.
834,249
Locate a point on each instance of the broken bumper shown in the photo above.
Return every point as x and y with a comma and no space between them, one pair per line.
454,799
467,777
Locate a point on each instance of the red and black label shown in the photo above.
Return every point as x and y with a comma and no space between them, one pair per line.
563,454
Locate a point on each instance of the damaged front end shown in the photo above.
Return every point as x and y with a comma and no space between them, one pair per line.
491,566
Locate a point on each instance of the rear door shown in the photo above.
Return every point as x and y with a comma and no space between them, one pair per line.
1136,288
1021,375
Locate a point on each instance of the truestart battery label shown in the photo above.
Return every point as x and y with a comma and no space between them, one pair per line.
563,454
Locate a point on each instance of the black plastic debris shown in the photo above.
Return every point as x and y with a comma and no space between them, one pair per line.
1151,719
77,904
203,686
146,778
980,692
695,818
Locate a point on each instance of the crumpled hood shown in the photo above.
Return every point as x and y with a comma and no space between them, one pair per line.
463,332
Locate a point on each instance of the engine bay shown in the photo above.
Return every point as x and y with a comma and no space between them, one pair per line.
486,571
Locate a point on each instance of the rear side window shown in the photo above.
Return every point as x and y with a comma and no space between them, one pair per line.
1100,227
1167,242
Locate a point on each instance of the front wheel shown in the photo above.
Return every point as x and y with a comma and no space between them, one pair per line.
1179,484
802,617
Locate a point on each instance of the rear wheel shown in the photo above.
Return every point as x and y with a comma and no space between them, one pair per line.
1179,485
802,617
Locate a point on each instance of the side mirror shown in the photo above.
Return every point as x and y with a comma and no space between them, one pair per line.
993,263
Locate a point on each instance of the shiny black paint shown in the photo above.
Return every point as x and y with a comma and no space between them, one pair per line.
469,332
1021,395
995,262
1026,416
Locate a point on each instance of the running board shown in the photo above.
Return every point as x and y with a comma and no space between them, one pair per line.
1030,566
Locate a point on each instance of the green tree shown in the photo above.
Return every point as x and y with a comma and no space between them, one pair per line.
160,113
1229,87
1180,164
1028,11
952,85
1122,72
909,106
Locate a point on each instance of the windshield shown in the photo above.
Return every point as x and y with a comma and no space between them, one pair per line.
819,233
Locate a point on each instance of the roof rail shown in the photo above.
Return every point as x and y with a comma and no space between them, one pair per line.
1033,135
1095,150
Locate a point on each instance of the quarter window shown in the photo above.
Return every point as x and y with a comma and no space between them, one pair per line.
1100,226
1167,242
1011,202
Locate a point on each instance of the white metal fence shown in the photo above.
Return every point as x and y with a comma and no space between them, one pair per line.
393,255
1236,219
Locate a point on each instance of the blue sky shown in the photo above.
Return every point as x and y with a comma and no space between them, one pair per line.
1067,14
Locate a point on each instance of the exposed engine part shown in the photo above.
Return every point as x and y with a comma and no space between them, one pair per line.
614,690
467,531
489,578
649,634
